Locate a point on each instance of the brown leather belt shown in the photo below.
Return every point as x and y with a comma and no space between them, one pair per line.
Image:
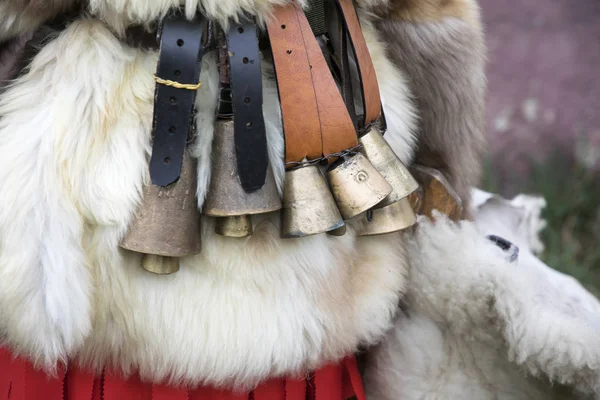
315,118
368,78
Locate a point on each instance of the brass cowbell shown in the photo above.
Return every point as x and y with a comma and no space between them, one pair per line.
388,219
226,198
356,185
167,224
308,206
383,158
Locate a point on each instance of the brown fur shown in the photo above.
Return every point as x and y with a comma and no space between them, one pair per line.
18,17
432,10
439,45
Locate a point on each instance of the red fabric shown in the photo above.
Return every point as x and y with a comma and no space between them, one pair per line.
273,389
19,380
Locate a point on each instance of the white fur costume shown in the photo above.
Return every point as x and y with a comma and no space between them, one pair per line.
74,140
475,326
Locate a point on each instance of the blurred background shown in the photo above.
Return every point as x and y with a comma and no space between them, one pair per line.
543,121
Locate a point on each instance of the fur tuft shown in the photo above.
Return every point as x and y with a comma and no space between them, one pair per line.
443,57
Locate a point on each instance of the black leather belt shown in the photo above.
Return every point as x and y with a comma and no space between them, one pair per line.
247,100
177,77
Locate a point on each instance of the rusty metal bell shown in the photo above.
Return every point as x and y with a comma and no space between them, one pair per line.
226,197
308,206
167,224
356,185
380,154
388,219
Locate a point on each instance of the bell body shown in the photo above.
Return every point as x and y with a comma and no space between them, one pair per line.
308,206
226,197
392,218
160,265
435,193
167,222
238,226
380,154
356,185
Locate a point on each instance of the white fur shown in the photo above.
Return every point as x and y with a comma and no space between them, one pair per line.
476,326
74,144
121,13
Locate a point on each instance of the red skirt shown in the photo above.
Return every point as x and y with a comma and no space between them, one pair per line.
20,381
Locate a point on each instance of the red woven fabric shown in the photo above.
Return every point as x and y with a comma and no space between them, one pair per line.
19,380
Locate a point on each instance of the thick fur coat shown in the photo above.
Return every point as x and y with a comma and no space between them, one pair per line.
476,326
74,142
439,46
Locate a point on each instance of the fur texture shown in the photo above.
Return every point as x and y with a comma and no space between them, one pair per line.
440,47
24,16
74,140
477,326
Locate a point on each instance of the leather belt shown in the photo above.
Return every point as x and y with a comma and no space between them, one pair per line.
247,100
177,75
225,108
368,78
315,118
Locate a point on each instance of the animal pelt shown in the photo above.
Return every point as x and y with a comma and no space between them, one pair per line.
439,46
74,143
18,17
476,326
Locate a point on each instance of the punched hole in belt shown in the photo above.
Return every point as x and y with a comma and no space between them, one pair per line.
167,160
177,72
173,100
248,124
247,100
282,26
245,60
180,42
172,129
241,30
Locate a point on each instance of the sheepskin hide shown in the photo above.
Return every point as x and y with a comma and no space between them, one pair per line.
439,44
476,326
74,143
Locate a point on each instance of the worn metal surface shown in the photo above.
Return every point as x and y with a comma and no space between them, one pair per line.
380,154
226,197
356,185
308,206
168,222
392,218
238,226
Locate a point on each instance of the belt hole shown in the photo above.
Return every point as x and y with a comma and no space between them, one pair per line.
167,160
172,129
247,100
177,72
180,42
282,26
245,60
289,52
248,124
241,30
173,100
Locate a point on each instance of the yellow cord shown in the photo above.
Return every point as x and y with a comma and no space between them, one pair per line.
188,86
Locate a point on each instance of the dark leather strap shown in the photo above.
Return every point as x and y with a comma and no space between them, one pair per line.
368,78
225,107
315,118
316,16
247,100
181,52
